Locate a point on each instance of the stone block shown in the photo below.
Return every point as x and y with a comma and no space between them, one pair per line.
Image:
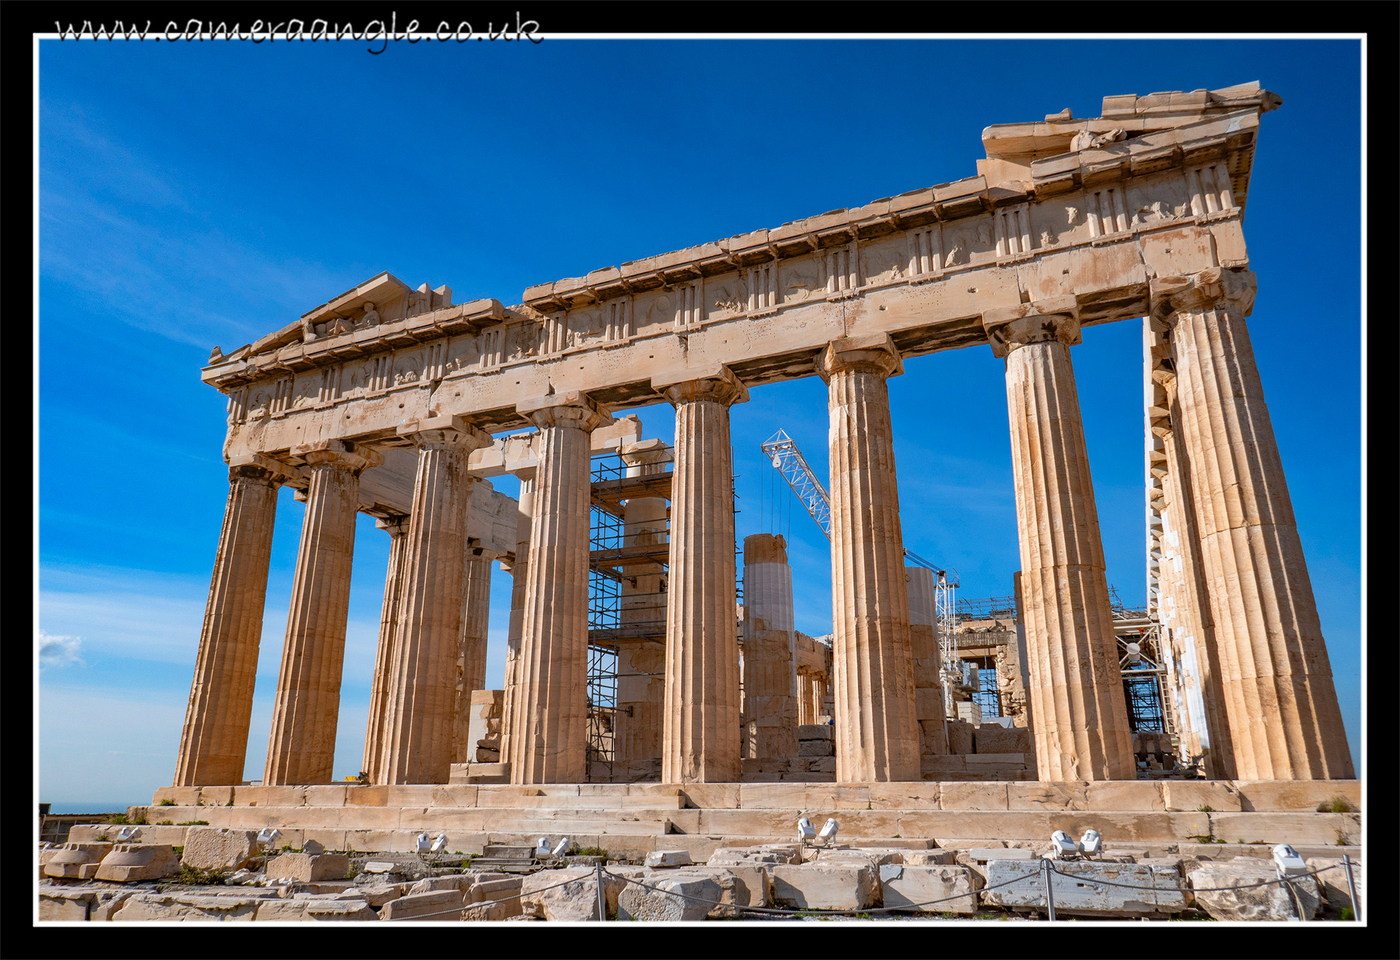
378,894
1219,795
819,886
1146,889
308,867
219,848
816,748
1286,795
928,702
1232,891
994,738
1292,828
145,907
974,796
77,861
984,854
66,904
438,906
668,858
575,898
959,737
821,764
1332,882
323,910
668,898
929,858
461,882
741,885
815,731
494,900
937,889
1064,795
134,862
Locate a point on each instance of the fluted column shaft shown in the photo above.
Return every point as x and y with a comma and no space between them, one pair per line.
519,573
471,651
214,744
877,733
418,725
1076,689
700,733
301,748
928,675
550,736
770,676
380,691
1276,678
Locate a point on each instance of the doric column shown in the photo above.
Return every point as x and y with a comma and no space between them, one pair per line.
397,528
418,724
301,748
471,650
550,737
519,573
214,744
1276,679
1180,580
1080,717
770,677
700,733
641,665
877,734
923,643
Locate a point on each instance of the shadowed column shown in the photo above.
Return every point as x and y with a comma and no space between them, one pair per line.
304,719
214,744
519,573
928,679
471,651
877,735
1276,679
770,675
397,528
550,737
418,725
1076,691
700,732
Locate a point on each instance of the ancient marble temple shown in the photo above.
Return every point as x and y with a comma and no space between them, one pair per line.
391,400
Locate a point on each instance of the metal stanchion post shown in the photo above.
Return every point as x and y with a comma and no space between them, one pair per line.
1045,871
1351,888
602,897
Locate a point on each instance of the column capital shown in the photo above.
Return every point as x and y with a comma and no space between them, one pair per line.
1055,318
395,525
255,466
868,353
1214,289
356,457
448,430
716,383
646,453
571,408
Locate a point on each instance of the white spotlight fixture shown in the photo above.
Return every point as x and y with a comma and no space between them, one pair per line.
267,836
421,844
1091,844
828,832
542,847
124,834
563,847
439,843
805,830
1062,847
1288,862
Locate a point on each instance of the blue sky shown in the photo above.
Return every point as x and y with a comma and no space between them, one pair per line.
208,193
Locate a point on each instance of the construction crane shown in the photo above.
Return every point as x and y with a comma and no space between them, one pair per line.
787,459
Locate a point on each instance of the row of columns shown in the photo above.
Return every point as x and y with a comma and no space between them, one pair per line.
1271,657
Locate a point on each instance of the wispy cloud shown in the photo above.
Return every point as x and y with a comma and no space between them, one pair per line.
58,651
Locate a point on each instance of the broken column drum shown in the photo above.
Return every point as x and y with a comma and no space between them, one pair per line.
1067,224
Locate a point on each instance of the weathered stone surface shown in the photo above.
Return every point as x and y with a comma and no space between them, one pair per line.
1332,882
351,909
76,861
820,886
133,862
219,848
309,867
574,898
65,903
144,907
668,858
494,899
378,894
930,888
1147,889
668,898
815,731
461,882
438,906
1247,889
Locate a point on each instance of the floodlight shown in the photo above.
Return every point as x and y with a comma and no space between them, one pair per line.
1091,843
267,836
123,835
439,843
1288,862
421,843
805,830
1061,846
563,847
829,830
542,847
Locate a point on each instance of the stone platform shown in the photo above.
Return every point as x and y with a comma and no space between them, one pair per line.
634,819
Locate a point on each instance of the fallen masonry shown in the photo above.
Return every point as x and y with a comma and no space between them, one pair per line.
758,882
